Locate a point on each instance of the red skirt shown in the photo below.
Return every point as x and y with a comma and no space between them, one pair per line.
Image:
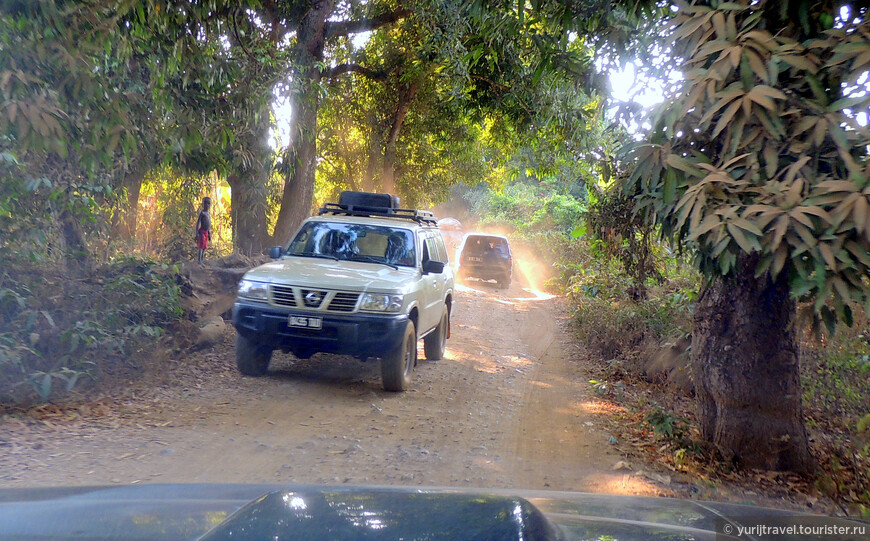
202,239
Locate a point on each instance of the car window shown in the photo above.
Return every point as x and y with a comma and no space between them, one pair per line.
485,245
394,246
434,251
442,249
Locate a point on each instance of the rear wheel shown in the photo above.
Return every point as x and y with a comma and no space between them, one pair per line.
398,365
252,359
436,341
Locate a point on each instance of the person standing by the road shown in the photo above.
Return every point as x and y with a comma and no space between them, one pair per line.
203,228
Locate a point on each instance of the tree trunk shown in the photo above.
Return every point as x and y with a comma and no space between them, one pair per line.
248,209
299,183
388,180
74,247
745,369
248,186
126,221
374,158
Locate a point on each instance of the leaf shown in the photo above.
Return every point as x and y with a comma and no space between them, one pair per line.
670,187
847,103
726,117
71,381
739,237
746,225
837,186
45,387
579,231
829,318
709,223
779,259
828,255
800,62
860,214
678,162
771,159
858,253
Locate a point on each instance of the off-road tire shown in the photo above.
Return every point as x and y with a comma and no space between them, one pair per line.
436,341
397,366
252,359
504,283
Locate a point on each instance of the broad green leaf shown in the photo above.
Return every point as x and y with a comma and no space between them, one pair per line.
740,238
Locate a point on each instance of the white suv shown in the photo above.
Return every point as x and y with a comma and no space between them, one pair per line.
363,278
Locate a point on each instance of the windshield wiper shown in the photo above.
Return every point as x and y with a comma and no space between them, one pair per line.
314,254
371,259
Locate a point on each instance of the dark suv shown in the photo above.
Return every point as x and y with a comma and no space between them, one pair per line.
486,257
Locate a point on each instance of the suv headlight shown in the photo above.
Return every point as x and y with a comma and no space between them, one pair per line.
381,302
257,291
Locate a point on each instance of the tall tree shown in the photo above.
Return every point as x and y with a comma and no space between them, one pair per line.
759,165
321,22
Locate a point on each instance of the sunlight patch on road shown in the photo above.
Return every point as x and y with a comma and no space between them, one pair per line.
516,359
541,384
466,288
573,409
486,462
489,363
536,295
623,483
601,408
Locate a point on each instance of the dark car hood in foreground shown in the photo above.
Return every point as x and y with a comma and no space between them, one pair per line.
176,512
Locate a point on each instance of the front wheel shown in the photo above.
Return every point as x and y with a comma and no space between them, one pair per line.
435,342
252,359
398,365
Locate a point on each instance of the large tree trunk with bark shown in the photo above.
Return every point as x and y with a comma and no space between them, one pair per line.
299,183
248,208
388,178
248,188
745,365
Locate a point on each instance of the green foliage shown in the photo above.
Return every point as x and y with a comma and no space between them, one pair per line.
836,375
758,150
615,327
59,334
666,425
624,235
528,208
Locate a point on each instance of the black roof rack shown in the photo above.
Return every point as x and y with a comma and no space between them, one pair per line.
424,217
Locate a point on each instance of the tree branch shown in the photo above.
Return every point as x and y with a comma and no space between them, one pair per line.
341,69
343,28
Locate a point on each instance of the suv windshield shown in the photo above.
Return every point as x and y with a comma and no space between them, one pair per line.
355,242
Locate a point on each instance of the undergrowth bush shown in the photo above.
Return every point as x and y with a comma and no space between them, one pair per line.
835,376
613,325
58,334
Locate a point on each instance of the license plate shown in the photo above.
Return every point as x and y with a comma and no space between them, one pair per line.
475,259
305,322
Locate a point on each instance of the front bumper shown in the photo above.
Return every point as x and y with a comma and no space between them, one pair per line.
359,334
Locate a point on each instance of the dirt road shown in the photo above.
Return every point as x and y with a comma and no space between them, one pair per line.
509,407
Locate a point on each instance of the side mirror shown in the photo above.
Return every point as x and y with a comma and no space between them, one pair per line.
275,252
430,266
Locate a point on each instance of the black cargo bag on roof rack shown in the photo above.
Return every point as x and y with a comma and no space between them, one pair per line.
367,201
